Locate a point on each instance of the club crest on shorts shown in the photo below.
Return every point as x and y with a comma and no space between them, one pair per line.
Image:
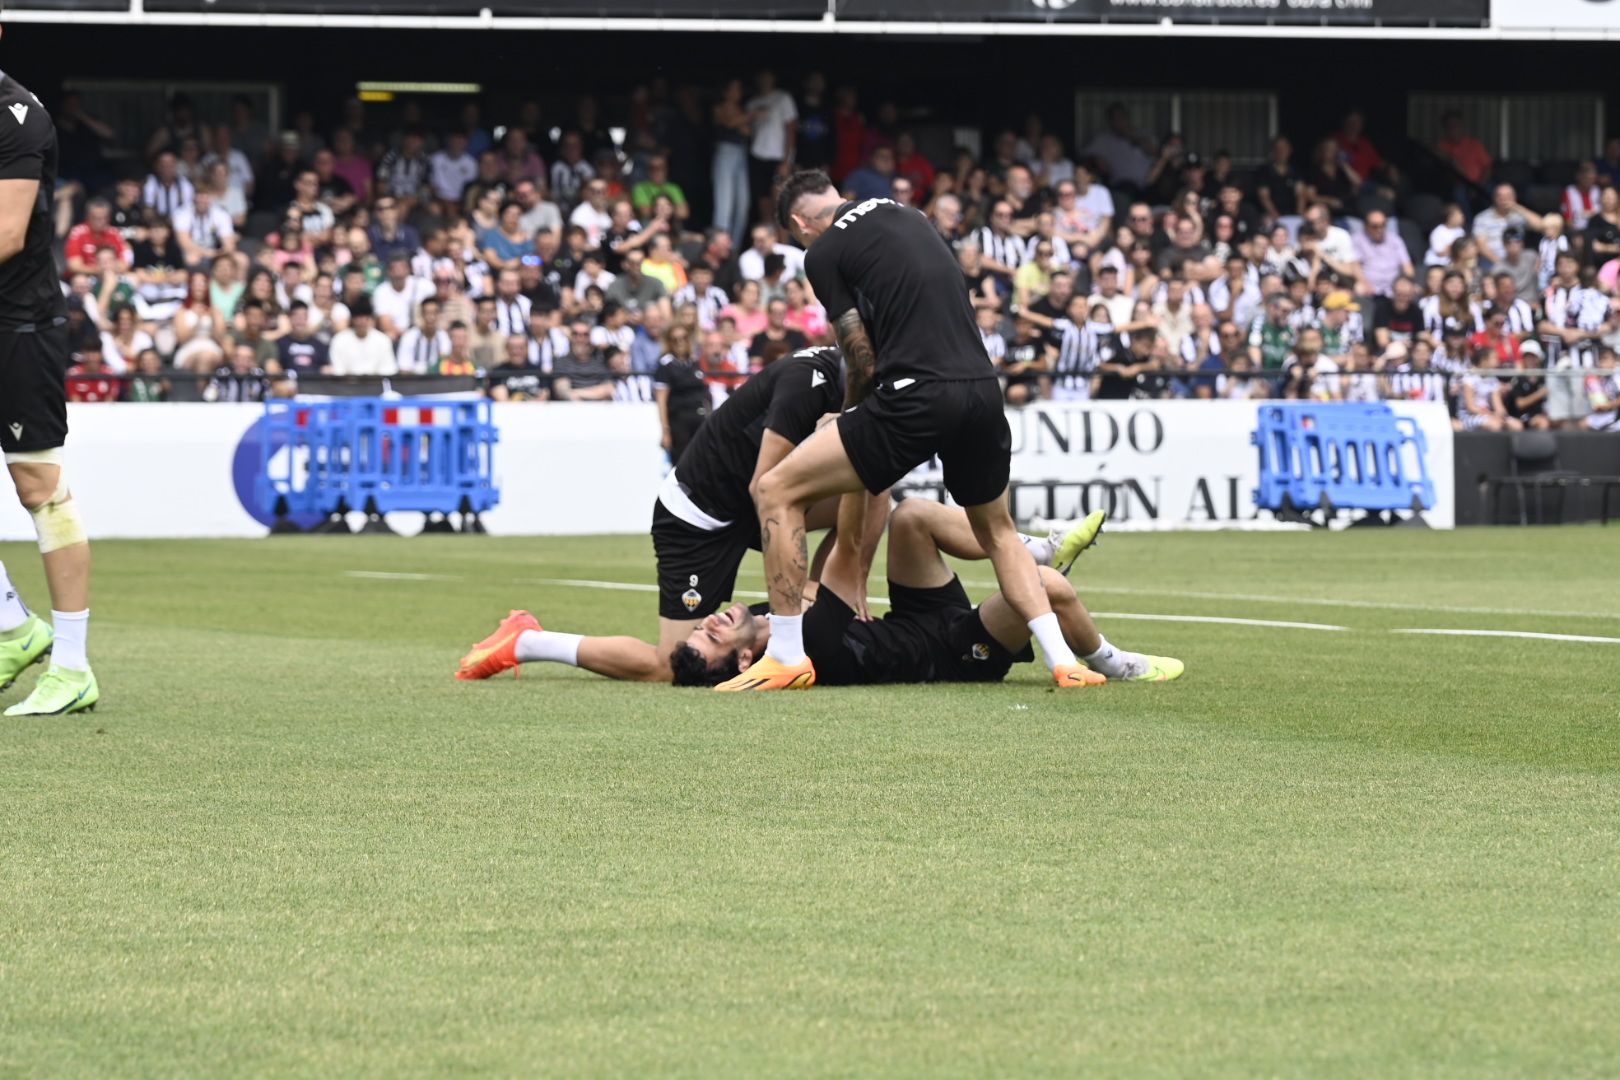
980,651
691,597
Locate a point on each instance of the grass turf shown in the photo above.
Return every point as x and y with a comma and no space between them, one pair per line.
288,843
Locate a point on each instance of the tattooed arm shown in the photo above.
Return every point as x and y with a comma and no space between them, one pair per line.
859,356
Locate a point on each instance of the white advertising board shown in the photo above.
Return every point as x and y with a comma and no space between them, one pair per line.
187,470
1167,464
1556,15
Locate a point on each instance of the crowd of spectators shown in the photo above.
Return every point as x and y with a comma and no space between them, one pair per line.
541,261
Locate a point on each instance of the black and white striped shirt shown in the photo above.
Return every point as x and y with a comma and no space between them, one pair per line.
1061,258
1434,323
1447,364
1009,250
1521,317
1409,384
1191,296
164,199
708,305
207,228
544,351
995,346
419,352
401,176
512,316
1080,350
633,388
1574,308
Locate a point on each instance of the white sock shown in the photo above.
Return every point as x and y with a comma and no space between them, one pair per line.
72,632
13,612
1040,548
787,639
1115,663
1049,632
549,645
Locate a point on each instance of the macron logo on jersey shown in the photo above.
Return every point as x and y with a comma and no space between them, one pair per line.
856,213
20,111
817,379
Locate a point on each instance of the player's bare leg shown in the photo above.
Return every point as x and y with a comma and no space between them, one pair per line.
68,685
1020,582
947,529
1081,633
819,467
67,569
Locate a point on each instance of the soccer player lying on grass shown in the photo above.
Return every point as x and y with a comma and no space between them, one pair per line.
704,520
932,633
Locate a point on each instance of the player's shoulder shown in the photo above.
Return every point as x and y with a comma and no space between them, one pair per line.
21,109
811,367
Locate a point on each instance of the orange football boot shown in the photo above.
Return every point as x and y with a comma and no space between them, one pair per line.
497,652
1070,675
768,674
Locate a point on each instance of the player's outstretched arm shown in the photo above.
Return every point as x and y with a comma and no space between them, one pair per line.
860,358
520,639
861,519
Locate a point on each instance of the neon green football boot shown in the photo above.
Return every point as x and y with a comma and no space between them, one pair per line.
60,691
23,646
1158,669
1078,537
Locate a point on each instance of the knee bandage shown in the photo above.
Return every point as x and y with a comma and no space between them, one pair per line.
56,520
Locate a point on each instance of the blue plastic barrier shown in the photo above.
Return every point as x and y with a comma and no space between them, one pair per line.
379,455
1340,456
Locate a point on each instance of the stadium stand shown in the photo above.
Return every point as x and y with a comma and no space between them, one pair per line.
222,261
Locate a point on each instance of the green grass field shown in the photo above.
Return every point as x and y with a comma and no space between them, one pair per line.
288,843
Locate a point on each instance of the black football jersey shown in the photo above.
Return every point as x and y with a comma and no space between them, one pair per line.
30,289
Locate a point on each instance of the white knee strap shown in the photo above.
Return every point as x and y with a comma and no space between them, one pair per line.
56,521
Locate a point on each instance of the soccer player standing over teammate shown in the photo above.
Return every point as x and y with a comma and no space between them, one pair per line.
918,385
33,416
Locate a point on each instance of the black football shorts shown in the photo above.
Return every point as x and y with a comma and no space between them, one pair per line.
33,388
906,422
697,568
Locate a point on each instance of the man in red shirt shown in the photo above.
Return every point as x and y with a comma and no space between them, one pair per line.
89,380
94,232
1466,153
1356,150
914,167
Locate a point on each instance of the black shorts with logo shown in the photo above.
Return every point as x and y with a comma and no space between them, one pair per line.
697,568
904,423
33,388
929,635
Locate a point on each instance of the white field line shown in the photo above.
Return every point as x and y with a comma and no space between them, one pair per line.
1216,619
1088,588
1513,634
747,594
385,575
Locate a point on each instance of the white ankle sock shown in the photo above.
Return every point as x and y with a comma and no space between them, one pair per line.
1040,548
787,639
548,645
72,634
13,612
1049,632
1115,663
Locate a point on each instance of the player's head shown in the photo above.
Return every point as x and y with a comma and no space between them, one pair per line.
807,205
721,646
